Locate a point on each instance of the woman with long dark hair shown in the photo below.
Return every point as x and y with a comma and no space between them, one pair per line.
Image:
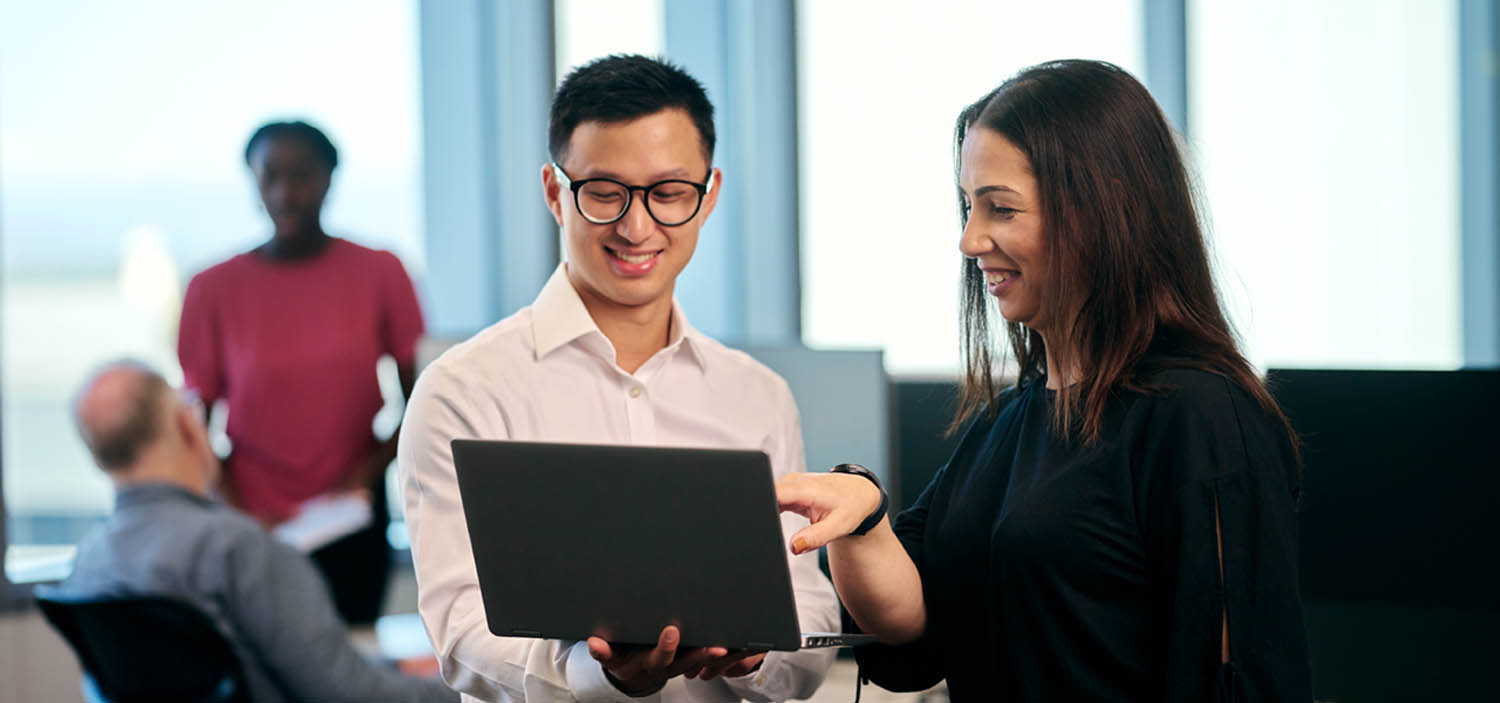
1120,524
289,334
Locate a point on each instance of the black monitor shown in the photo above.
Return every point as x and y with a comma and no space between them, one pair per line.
1401,494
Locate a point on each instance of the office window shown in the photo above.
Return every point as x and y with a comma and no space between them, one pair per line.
1326,135
879,87
588,29
122,129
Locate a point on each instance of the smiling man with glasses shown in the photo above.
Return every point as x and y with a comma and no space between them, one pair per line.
605,356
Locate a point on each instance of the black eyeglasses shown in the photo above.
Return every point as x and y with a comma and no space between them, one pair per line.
605,200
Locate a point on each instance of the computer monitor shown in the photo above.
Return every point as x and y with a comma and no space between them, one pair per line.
1402,485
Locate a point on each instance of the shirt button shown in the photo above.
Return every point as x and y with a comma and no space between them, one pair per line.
635,391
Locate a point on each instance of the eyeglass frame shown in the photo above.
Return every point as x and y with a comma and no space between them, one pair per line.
703,190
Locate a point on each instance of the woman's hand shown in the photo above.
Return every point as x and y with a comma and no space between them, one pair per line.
875,577
834,503
368,474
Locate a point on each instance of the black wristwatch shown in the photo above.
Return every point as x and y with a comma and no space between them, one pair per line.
885,500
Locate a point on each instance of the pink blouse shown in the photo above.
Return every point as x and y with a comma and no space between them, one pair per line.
292,347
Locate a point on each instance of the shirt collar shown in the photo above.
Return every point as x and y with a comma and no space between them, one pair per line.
558,317
688,336
154,492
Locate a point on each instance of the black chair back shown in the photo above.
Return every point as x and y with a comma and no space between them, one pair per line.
149,648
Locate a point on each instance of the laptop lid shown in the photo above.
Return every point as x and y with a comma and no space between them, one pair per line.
574,540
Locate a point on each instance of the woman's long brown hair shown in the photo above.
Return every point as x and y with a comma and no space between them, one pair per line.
1128,267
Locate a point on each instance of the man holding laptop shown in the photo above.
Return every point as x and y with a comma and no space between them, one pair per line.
605,356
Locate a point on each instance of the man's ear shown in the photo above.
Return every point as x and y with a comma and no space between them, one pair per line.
194,434
711,199
552,192
190,428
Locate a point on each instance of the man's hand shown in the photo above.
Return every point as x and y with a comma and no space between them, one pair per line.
731,666
641,671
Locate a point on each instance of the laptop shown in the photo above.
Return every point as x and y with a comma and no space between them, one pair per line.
577,540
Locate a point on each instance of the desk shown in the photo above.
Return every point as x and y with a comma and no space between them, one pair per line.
399,639
39,563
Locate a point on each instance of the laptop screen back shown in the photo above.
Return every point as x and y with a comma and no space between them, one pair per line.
619,541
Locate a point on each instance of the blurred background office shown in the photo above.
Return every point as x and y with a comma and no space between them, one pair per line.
1347,151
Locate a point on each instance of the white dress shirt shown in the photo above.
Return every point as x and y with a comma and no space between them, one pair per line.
547,373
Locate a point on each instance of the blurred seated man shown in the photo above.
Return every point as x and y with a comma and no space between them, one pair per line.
167,536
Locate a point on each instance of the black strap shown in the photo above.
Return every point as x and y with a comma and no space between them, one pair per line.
874,518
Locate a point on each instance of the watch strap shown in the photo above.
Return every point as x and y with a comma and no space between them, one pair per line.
874,518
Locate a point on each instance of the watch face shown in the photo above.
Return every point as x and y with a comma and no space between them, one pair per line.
858,470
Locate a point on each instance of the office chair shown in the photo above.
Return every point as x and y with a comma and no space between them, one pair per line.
149,648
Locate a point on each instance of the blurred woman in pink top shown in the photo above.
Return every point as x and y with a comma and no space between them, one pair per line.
288,335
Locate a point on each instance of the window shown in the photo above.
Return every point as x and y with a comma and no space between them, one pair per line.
880,86
1327,139
123,128
589,29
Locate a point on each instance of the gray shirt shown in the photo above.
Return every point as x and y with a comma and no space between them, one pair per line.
267,598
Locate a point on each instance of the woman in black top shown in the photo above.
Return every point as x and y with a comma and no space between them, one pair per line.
1121,524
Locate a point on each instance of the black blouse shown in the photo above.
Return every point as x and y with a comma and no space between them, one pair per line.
1057,572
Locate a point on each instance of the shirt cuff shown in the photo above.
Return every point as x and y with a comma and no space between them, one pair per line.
589,684
765,680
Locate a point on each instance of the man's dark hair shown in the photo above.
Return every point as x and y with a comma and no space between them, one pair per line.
296,129
118,444
623,87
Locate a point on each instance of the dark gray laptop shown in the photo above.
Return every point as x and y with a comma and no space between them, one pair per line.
575,540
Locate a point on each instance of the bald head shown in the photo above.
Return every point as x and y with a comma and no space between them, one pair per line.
121,410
